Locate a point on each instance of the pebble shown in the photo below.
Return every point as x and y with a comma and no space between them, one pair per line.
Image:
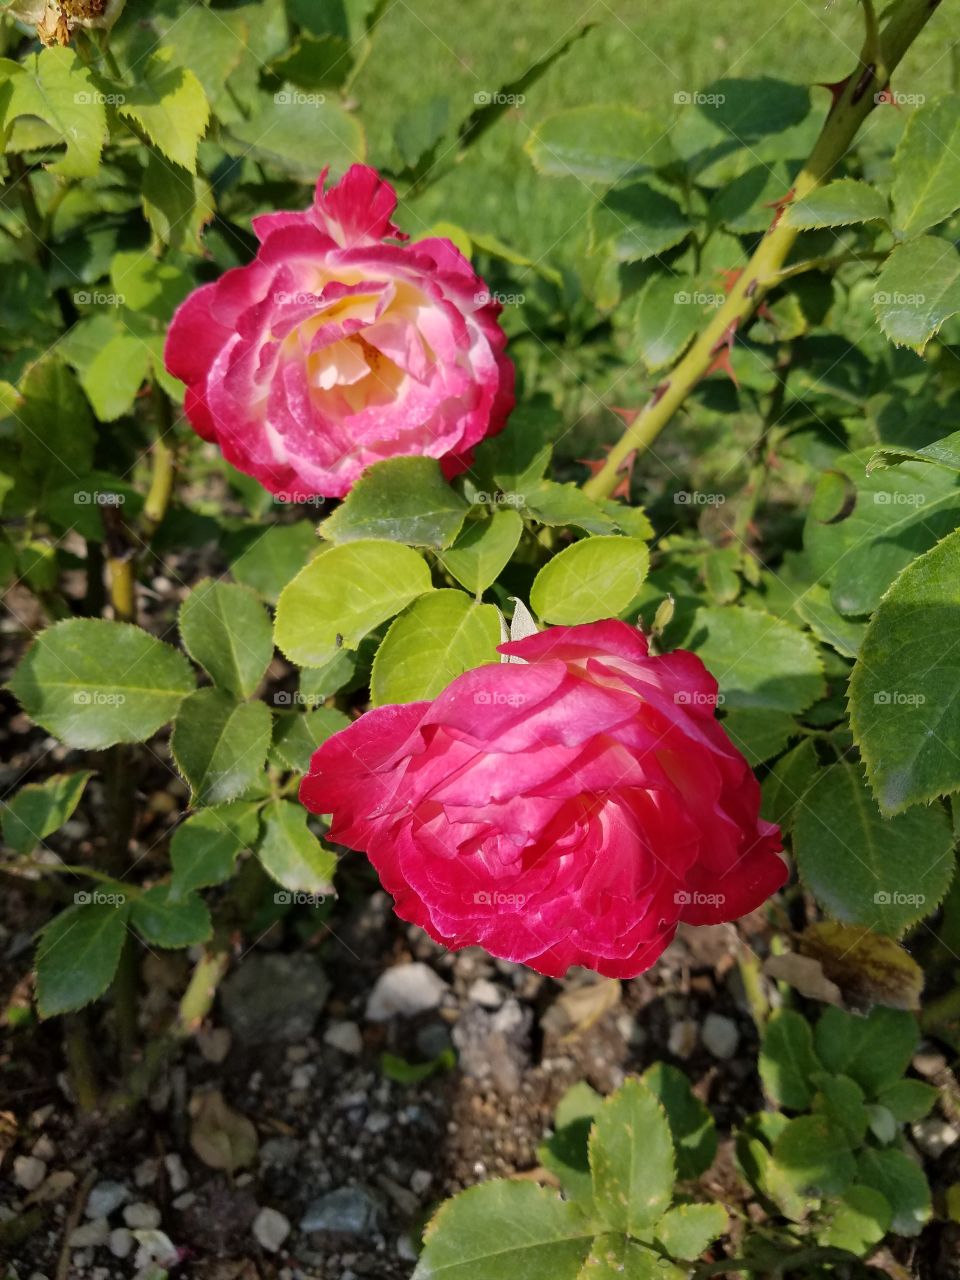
407,1250
90,1235
302,1077
433,1039
214,1044
176,1172
344,1036
349,1210
420,1181
120,1242
29,1172
495,1045
270,1229
142,1216
631,1030
485,993
145,1174
377,1122
405,990
44,1148
104,1198
720,1035
934,1135
683,1038
185,1201
275,998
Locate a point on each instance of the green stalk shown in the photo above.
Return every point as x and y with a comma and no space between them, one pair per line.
764,271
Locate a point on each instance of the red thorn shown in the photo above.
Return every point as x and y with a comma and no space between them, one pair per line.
629,416
836,88
729,276
764,312
659,391
721,364
779,206
625,469
593,465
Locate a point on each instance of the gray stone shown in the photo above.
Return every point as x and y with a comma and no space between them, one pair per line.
348,1210
121,1242
274,997
29,1172
405,990
270,1229
344,1036
142,1216
90,1235
176,1172
683,1037
420,1181
433,1039
495,1045
720,1035
279,1151
933,1135
105,1198
485,993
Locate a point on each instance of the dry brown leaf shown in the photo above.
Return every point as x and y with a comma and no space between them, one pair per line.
220,1136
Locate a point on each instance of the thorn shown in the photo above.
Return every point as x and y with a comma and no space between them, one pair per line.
629,416
729,276
625,469
837,88
721,353
659,391
779,206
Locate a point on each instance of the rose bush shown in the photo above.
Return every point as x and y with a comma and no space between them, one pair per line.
341,344
571,807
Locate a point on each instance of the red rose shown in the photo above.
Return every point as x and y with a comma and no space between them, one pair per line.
570,808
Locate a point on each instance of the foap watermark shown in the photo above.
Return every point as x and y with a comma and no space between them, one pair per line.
97,898
683,98
300,298
97,298
97,698
893,498
303,499
98,498
895,98
894,898
502,498
294,698
698,299
495,698
294,98
694,498
298,898
93,97
484,296
898,299
897,698
494,898
484,98
694,898
696,698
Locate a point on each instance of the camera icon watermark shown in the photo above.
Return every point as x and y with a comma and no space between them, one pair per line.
502,498
494,898
893,498
894,98
898,299
97,698
495,698
684,98
884,898
98,498
294,698
484,296
696,698
299,499
97,898
98,298
693,898
682,298
91,97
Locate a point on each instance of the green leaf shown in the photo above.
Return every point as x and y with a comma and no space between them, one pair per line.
908,1100
857,1221
315,62
751,109
926,167
631,1159
566,504
274,555
598,143
565,1153
592,579
862,868
905,689
637,222
817,610
343,594
172,921
814,1157
176,203
742,647
40,808
299,134
688,1229
613,1257
943,453
787,1060
917,290
205,846
168,103
401,500
692,1129
220,745
291,854
57,88
94,683
903,1186
665,319
839,1099
483,549
78,953
226,630
506,1229
837,204
297,736
760,733
787,783
115,374
875,1050
440,636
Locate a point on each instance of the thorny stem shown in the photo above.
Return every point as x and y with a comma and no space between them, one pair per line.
763,272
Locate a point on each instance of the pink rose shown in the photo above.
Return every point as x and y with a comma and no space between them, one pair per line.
567,809
340,345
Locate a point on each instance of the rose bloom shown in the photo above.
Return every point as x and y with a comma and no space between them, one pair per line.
570,808
341,345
